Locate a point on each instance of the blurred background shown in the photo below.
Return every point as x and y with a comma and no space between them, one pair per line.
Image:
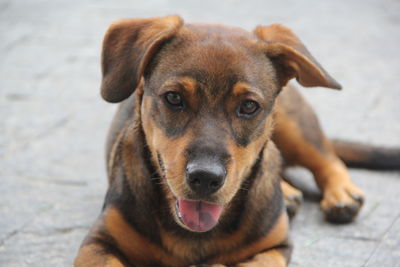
53,122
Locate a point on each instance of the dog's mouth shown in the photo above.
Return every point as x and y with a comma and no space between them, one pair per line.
197,215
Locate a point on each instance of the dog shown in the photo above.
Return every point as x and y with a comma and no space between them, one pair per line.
195,153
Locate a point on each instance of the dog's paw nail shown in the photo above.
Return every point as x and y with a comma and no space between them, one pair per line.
289,198
293,204
341,213
298,199
358,198
295,198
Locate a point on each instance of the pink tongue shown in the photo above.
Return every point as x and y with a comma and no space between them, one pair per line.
199,216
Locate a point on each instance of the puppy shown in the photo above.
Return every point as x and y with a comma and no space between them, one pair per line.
194,151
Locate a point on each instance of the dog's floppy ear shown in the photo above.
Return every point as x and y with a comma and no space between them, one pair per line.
128,47
292,58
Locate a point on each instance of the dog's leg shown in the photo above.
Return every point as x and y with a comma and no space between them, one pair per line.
93,255
299,137
273,257
98,249
277,257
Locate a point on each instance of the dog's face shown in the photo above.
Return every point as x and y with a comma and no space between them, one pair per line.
207,104
207,113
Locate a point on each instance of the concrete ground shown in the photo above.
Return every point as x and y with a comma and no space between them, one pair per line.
53,123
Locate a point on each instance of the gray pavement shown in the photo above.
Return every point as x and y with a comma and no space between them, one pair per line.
53,123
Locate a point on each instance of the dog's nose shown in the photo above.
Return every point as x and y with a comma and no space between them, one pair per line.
205,179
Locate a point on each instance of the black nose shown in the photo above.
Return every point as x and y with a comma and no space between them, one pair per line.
205,179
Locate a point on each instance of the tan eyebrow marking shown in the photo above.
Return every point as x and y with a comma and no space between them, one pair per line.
186,84
244,88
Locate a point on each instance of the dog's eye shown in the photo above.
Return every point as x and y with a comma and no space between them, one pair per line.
248,108
174,99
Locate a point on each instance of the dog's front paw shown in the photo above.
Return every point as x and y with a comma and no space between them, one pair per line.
292,197
341,204
293,203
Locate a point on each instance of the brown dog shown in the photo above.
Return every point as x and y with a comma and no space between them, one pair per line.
193,165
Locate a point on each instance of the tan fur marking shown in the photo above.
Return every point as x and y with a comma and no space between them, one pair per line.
94,254
184,249
276,236
292,144
186,84
266,259
114,262
173,159
241,163
289,190
242,88
136,247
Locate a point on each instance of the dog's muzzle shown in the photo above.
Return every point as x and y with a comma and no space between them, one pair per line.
204,178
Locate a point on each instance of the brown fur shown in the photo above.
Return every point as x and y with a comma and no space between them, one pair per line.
215,69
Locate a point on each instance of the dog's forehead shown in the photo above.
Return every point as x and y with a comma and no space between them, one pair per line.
217,55
202,30
217,43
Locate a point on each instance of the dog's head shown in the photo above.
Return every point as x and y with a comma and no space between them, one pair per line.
207,104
